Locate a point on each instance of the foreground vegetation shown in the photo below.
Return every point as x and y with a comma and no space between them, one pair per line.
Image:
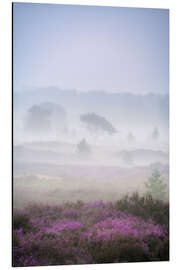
133,229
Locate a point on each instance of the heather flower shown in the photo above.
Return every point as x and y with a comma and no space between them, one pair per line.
93,232
63,225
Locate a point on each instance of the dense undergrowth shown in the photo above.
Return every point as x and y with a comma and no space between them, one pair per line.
133,229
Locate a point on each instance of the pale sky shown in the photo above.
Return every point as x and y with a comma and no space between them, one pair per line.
91,48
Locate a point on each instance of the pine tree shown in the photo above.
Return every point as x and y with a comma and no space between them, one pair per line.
156,187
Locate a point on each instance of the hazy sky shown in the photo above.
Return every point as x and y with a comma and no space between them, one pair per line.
91,48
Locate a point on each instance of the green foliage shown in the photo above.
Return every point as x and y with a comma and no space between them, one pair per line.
15,240
146,207
123,249
21,221
156,187
79,204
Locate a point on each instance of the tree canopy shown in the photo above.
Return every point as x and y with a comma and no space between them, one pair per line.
96,122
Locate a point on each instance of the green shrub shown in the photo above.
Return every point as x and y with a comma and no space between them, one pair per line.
123,249
156,186
15,240
146,207
21,221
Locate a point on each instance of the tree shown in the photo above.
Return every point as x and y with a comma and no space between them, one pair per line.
38,120
130,137
83,147
58,117
156,187
95,123
155,133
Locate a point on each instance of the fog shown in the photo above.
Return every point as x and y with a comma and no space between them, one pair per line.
71,145
64,110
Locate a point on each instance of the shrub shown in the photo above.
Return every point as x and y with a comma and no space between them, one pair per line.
21,221
121,249
145,207
156,187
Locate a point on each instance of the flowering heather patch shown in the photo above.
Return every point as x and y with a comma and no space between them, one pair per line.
94,232
63,225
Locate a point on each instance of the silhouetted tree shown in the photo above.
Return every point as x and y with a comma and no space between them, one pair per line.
58,117
95,123
83,147
38,119
155,133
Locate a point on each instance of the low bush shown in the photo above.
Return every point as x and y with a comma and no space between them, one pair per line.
21,221
145,207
